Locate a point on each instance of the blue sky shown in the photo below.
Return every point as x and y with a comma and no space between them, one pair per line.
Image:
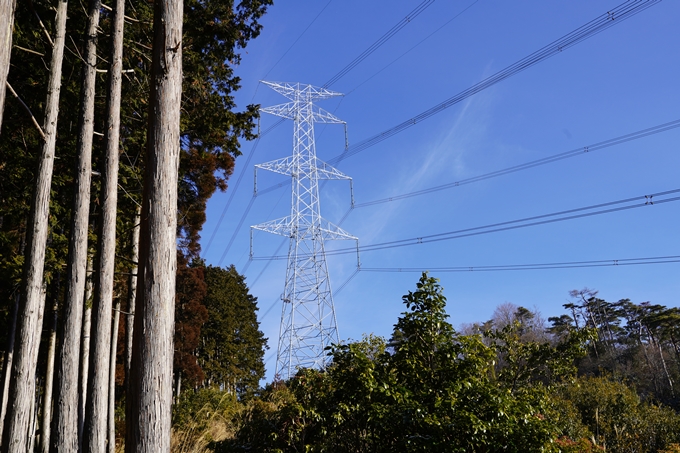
619,81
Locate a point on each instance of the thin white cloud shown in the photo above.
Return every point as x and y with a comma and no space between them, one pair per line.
443,161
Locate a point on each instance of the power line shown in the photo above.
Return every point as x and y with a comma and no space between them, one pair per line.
268,263
505,171
271,307
298,38
411,49
238,227
365,54
340,288
534,266
346,282
238,182
592,28
525,166
382,40
604,21
570,214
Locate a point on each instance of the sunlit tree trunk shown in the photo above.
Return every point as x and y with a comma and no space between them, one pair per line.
66,403
49,377
17,435
6,25
112,380
102,366
85,353
9,353
132,294
7,364
150,396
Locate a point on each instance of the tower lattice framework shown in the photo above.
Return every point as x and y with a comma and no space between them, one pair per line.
308,322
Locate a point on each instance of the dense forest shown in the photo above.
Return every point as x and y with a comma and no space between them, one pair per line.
118,123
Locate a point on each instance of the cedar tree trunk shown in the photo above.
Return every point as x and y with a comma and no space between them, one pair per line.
107,237
66,403
132,294
6,25
150,397
17,435
49,378
85,353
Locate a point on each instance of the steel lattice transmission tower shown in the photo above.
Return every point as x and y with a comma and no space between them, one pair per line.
308,322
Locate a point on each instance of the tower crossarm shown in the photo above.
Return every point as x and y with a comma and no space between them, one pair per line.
326,171
333,232
282,166
290,110
291,90
282,227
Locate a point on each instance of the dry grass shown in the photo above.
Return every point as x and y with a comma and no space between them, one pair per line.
208,425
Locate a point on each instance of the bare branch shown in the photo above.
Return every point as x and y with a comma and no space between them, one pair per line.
28,110
49,38
28,50
128,18
77,52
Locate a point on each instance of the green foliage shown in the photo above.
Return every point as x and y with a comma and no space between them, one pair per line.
524,363
430,389
615,417
231,347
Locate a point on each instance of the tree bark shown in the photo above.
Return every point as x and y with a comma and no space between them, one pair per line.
107,236
112,380
132,294
150,398
66,407
22,389
85,353
7,370
49,377
7,8
9,354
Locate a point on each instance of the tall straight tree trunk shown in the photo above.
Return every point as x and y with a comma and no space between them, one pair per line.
49,376
7,370
85,353
100,368
107,236
66,404
150,397
112,379
16,435
132,294
6,25
9,354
